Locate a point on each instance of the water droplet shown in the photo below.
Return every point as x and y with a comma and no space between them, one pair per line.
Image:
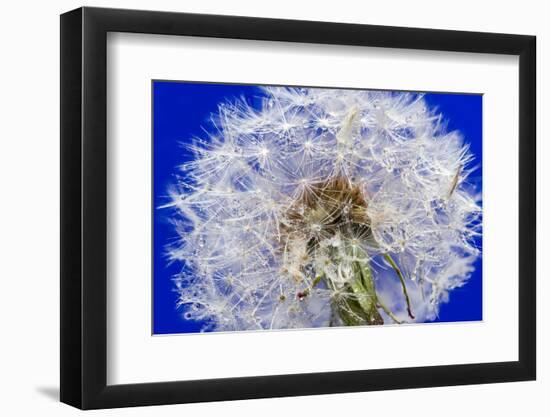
316,227
309,271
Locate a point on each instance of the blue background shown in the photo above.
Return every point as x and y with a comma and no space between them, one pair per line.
180,109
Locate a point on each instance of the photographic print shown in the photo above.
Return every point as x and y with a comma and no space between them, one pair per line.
291,207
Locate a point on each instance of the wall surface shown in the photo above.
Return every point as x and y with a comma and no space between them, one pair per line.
29,225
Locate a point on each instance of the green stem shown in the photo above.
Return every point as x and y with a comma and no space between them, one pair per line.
390,260
389,312
366,292
359,304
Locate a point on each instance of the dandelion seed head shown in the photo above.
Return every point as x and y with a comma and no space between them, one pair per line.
281,203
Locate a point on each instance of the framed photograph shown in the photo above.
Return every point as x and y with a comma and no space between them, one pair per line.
258,208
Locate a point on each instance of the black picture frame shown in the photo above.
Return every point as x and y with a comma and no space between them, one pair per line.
84,207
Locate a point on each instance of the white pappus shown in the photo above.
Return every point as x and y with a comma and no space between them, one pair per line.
323,207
